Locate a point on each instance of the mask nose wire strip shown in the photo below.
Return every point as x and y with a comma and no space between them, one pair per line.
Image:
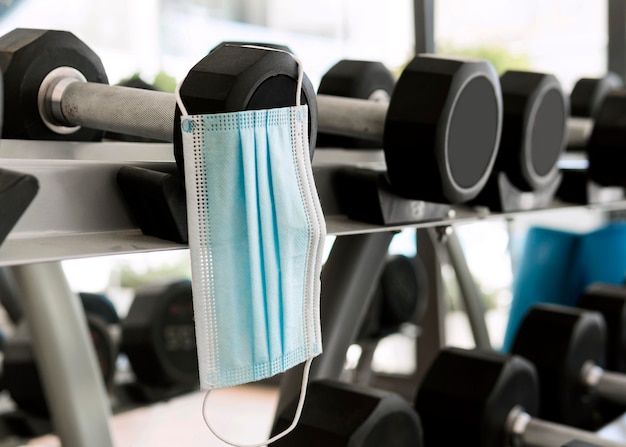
294,423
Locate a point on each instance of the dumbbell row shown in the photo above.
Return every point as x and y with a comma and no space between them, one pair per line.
493,401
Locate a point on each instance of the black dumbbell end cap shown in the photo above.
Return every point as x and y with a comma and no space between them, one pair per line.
534,128
443,128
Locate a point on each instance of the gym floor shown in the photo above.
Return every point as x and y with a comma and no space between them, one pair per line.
243,414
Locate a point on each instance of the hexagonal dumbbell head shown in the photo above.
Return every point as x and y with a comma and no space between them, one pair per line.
344,415
233,78
610,301
355,79
559,340
605,148
588,94
27,56
442,129
533,128
466,397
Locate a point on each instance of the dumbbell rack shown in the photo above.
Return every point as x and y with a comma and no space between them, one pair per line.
79,212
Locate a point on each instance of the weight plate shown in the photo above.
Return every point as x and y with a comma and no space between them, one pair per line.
26,58
443,129
533,128
355,79
236,78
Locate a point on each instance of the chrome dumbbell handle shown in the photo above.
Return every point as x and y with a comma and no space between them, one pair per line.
67,101
526,431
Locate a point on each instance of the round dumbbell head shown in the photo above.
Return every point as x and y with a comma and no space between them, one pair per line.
442,129
355,79
533,128
466,397
588,94
605,147
558,340
158,335
100,306
239,43
27,57
610,301
345,415
233,78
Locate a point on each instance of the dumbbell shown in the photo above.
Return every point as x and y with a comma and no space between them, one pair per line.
400,297
56,88
338,414
440,130
20,373
479,398
568,347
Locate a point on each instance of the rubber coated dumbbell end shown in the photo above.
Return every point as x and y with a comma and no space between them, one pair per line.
443,128
27,56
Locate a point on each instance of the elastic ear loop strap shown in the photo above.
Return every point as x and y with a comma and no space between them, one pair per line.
294,423
307,365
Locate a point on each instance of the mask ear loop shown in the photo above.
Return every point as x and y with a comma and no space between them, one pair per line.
307,365
294,423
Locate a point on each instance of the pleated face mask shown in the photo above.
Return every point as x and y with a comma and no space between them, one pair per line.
256,237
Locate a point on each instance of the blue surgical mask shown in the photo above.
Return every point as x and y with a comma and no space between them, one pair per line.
256,237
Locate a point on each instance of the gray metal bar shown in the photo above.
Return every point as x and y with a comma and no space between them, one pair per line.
612,386
69,370
361,118
125,110
540,433
432,327
424,12
349,279
470,295
616,57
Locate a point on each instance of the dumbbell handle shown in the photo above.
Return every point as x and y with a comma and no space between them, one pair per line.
527,431
609,385
126,110
361,118
578,131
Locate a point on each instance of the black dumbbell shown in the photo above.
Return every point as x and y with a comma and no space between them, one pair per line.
20,373
338,414
488,399
158,337
567,345
436,147
399,298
